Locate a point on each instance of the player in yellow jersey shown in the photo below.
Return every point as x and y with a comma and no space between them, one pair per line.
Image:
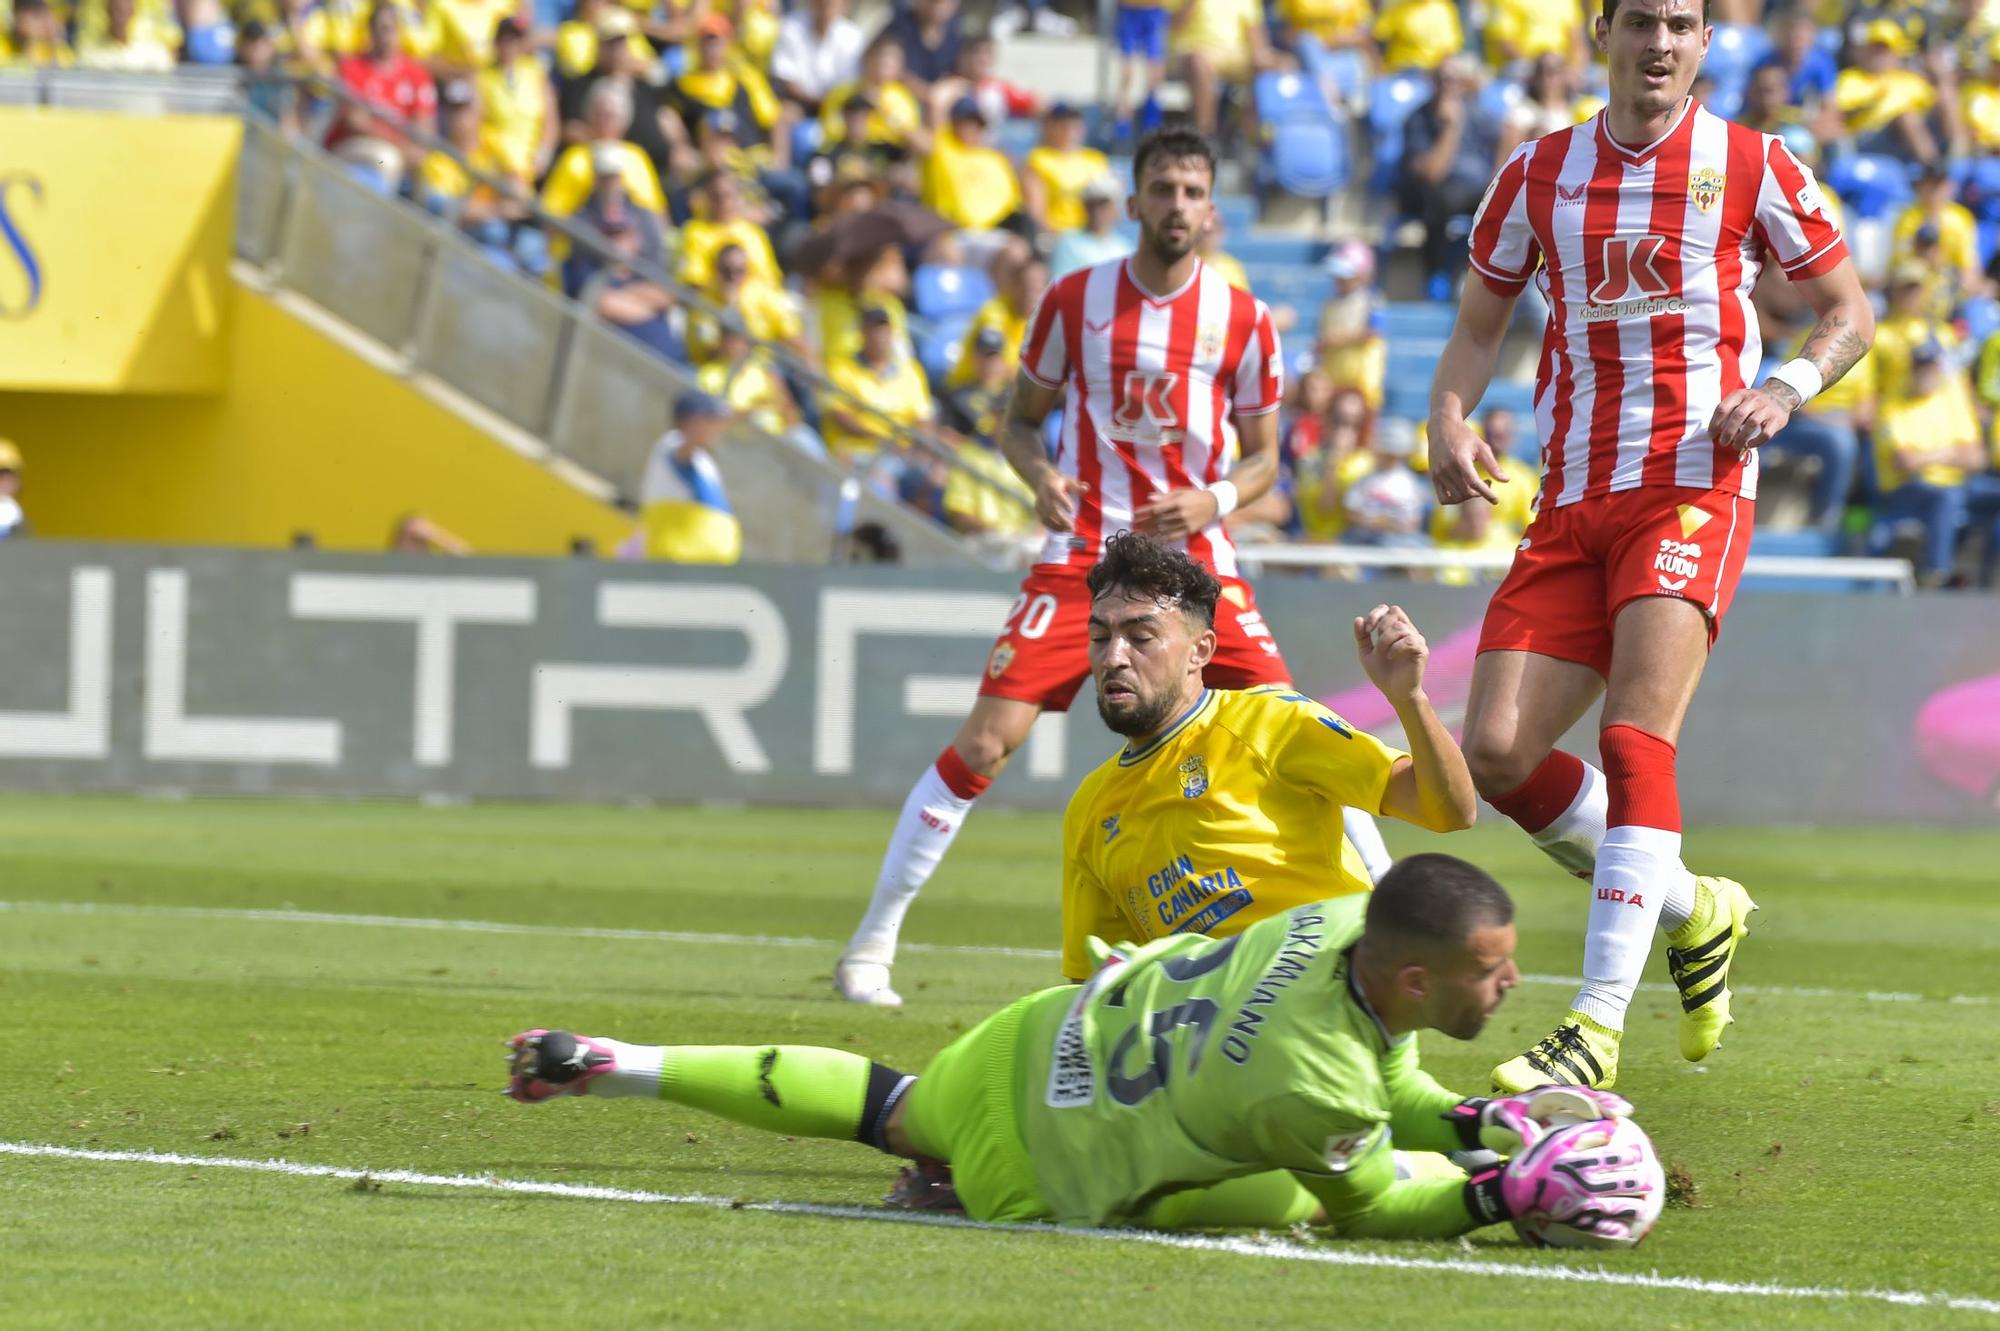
1225,807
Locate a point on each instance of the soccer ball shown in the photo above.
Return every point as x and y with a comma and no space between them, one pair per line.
1617,1189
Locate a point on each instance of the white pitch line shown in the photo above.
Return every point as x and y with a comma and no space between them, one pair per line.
257,916
1270,1249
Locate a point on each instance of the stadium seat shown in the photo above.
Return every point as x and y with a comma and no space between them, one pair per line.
1016,137
1872,184
1305,143
1733,55
1345,72
1238,211
1499,97
1304,287
1425,321
942,291
1981,317
1979,186
1394,98
938,352
1264,248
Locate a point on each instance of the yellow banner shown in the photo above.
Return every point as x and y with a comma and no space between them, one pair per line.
114,250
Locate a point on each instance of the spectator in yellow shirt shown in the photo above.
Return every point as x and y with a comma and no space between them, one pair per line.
718,79
465,31
895,120
1352,350
721,221
741,375
891,386
1057,169
1334,24
607,117
1948,224
1884,103
1221,260
1323,475
518,104
1829,428
1979,103
1518,31
37,38
966,182
1926,445
1020,279
1223,43
766,311
1418,34
1909,322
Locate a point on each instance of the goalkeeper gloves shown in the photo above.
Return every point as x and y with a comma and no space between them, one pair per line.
1512,1123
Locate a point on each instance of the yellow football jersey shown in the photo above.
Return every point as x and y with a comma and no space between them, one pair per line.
1230,816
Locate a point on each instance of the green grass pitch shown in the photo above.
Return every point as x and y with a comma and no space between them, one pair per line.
1842,1141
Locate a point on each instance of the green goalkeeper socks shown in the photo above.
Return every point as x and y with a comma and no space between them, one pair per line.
798,1090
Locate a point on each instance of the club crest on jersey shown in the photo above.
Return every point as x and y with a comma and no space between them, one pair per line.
1705,185
1194,777
996,664
1208,343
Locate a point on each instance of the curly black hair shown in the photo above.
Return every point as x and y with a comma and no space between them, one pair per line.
1172,143
1140,566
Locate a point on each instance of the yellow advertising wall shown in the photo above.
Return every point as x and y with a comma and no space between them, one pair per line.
114,250
303,435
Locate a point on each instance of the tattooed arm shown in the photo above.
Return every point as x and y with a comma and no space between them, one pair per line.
1846,327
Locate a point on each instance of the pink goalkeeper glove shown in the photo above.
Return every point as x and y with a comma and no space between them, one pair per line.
1576,1172
1510,1124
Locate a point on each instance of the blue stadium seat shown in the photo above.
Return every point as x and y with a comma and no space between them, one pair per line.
1265,247
1016,136
939,352
1305,144
1304,287
1345,71
1981,317
1871,184
1979,186
1413,320
1805,543
1394,98
943,291
1238,211
1988,239
1499,97
1733,55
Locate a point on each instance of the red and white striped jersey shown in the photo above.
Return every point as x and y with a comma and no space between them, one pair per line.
1151,384
1647,257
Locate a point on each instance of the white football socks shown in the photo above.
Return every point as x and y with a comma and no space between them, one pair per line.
1573,839
637,1072
1366,838
1638,869
925,830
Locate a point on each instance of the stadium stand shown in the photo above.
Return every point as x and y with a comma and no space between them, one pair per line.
607,151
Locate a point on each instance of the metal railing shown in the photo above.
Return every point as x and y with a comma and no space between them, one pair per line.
561,410
414,283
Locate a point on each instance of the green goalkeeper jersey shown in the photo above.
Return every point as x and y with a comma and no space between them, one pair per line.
1194,1060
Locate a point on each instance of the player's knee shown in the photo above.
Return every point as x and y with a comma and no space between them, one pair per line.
1497,764
985,750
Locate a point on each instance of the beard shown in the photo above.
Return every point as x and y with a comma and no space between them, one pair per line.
1140,716
1168,252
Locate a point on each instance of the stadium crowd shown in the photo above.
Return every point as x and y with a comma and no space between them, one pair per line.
876,202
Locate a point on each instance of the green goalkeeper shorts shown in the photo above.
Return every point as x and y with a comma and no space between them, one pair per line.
963,1111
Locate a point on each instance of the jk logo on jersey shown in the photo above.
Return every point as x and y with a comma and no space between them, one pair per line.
1631,286
1145,406
1705,186
1194,777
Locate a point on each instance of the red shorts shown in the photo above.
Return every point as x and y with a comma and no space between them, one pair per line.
1582,563
1042,655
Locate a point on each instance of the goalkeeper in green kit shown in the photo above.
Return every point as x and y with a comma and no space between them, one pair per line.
1262,1080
